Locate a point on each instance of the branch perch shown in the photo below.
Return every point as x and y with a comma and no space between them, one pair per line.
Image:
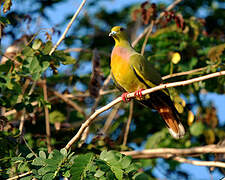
200,163
171,152
131,95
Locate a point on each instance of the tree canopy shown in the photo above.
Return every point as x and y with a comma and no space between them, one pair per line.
56,118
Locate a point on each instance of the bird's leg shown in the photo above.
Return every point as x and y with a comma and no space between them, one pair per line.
125,98
138,93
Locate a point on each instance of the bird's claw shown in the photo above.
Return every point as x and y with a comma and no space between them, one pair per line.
125,98
138,93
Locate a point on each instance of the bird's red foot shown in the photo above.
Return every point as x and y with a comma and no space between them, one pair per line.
125,98
138,93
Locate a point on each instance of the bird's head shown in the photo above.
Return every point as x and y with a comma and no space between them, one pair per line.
119,34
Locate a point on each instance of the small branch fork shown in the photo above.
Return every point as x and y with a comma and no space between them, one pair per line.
132,95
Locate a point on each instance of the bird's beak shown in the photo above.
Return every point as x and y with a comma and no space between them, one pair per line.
112,33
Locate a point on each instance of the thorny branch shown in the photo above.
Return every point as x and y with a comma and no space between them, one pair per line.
131,95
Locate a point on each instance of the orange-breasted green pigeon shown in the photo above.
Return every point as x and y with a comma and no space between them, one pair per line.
131,72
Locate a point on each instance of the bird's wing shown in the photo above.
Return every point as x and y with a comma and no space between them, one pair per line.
145,72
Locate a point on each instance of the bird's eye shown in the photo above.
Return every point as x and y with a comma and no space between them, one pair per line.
121,29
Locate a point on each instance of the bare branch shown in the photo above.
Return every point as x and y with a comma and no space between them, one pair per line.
47,123
21,175
171,152
68,27
71,103
131,95
128,123
110,118
185,73
147,36
200,163
85,50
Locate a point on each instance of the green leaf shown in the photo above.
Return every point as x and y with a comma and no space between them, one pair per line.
52,162
17,159
36,76
56,116
45,65
118,172
38,162
34,65
64,57
66,174
4,21
80,164
30,155
42,171
48,176
5,67
63,151
26,178
126,161
69,60
42,154
141,176
28,51
47,48
197,128
99,173
37,44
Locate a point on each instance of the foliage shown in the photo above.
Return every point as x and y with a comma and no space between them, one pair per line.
181,41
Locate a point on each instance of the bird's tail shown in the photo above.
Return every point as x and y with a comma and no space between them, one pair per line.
165,107
172,120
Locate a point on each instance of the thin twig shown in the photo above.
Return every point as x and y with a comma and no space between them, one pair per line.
86,131
105,84
47,123
110,118
21,175
22,119
72,96
68,27
29,147
200,163
32,88
128,123
71,103
83,137
171,152
184,73
85,50
156,22
131,95
147,36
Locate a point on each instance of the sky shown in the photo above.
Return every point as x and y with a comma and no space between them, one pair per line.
57,15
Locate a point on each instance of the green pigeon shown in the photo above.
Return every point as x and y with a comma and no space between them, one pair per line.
131,72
